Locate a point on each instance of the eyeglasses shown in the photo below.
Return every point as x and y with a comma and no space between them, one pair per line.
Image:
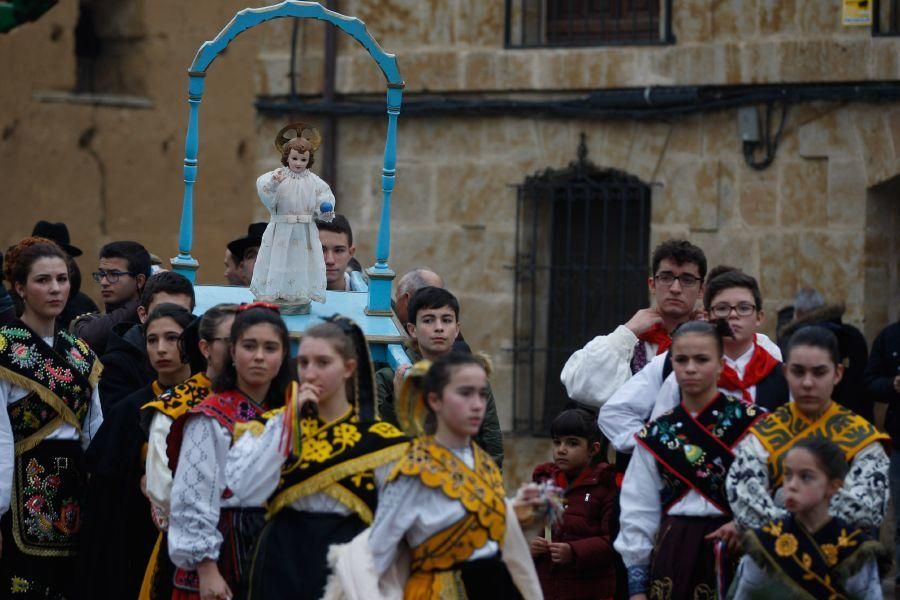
743,309
685,279
111,276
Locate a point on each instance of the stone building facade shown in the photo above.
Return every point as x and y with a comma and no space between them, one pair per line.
825,213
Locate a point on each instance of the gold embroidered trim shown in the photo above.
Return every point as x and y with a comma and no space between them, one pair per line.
185,394
39,436
52,400
254,428
350,500
480,491
320,481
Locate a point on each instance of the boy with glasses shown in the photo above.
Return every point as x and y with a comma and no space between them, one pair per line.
123,270
594,373
750,369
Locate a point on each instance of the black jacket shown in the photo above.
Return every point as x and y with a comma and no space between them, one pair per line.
883,367
851,391
125,365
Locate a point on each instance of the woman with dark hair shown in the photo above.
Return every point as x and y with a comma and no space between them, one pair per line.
320,462
203,344
212,527
674,510
813,369
50,412
120,532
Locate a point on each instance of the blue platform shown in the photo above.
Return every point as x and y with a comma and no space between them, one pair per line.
383,333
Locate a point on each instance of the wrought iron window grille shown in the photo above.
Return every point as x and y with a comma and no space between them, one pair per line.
885,18
582,256
574,23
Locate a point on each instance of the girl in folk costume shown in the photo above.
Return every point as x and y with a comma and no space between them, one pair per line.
290,266
445,502
120,533
755,481
809,554
51,411
673,501
321,462
164,343
212,529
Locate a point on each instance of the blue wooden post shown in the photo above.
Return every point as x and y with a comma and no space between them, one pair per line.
184,263
380,274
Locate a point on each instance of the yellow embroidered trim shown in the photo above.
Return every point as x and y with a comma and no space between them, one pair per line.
185,392
480,491
350,500
435,585
254,428
37,437
320,481
52,400
452,545
780,430
96,372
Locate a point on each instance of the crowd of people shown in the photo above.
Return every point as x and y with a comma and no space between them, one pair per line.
149,453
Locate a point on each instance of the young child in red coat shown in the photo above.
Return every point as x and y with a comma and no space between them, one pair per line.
577,560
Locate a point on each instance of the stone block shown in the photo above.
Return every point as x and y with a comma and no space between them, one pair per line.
832,261
876,144
778,263
803,193
820,18
648,150
692,21
846,193
478,23
885,63
760,62
758,203
730,19
777,17
830,135
690,196
477,193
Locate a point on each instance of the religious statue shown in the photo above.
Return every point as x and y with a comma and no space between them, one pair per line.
290,267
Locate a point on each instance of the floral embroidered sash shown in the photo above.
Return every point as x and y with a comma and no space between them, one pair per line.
61,380
338,458
694,453
178,400
812,565
781,429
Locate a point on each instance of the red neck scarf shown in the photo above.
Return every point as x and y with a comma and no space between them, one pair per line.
659,336
759,367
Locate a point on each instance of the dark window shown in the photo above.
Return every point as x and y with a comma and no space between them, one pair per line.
109,47
582,261
886,17
555,23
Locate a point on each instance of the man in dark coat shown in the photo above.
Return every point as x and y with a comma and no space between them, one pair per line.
125,365
810,309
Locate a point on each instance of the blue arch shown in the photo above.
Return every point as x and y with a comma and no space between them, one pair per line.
380,273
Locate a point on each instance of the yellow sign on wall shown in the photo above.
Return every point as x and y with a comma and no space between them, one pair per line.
857,13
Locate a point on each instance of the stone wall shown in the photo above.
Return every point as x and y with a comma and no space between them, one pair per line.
113,171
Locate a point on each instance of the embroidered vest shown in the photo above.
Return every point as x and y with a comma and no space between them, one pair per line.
61,380
813,565
178,400
339,458
694,453
479,490
780,430
229,409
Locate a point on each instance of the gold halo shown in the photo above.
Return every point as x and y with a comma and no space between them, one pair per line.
304,130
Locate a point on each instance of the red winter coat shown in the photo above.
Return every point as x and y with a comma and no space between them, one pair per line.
585,526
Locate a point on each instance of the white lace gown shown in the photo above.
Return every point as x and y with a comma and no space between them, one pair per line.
290,267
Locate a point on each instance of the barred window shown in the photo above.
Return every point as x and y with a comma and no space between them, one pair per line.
558,23
582,258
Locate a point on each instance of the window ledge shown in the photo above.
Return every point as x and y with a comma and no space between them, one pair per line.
113,100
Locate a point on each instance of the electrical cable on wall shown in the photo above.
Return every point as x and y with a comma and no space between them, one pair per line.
769,142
